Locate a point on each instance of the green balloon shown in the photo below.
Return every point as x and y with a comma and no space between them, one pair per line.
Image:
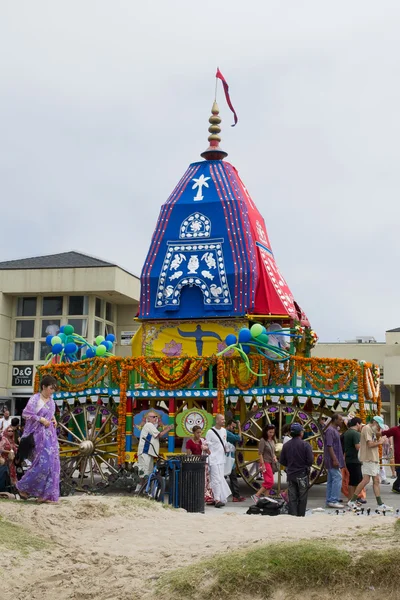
100,350
68,329
56,340
99,339
263,338
256,330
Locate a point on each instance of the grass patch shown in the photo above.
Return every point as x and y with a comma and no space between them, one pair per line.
133,502
397,526
15,537
298,567
138,502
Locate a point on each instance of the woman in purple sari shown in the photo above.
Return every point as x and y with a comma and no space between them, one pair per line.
42,480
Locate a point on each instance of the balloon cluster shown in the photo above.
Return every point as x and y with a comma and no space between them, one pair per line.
66,345
256,339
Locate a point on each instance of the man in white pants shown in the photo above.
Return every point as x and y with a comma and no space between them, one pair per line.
216,440
149,443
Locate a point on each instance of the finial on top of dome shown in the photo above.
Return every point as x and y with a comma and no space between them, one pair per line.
214,152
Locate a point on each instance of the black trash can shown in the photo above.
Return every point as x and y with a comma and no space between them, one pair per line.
192,483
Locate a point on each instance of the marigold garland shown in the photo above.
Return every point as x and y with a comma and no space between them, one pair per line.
328,376
221,385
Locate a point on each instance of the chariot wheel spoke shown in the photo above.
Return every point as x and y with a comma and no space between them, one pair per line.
91,470
104,445
251,437
100,469
97,433
68,442
86,422
110,466
255,423
70,432
108,453
104,437
77,425
93,429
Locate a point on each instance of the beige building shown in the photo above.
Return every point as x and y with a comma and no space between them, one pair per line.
385,354
38,295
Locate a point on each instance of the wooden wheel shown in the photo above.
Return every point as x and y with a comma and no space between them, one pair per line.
87,435
278,415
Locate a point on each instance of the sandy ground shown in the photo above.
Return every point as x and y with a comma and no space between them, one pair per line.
115,547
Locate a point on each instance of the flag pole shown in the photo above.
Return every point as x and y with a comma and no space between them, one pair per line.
216,84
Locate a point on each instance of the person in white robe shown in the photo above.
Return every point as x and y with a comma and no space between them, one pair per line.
217,444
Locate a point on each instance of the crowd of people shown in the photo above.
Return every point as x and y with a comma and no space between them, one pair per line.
352,459
354,453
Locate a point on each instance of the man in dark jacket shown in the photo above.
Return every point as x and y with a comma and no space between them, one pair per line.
297,457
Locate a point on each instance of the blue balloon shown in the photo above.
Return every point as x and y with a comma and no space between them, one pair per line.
244,335
230,339
108,345
110,338
62,329
246,348
48,340
90,353
103,343
57,348
71,348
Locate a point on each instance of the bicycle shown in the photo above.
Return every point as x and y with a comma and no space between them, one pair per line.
154,485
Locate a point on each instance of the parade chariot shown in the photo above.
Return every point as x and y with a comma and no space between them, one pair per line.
218,332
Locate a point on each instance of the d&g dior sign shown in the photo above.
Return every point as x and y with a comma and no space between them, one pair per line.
22,375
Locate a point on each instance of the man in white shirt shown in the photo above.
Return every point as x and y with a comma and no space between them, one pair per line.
5,421
52,328
216,440
149,443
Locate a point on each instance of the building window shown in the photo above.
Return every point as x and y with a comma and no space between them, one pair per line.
25,329
78,305
44,350
50,327
79,325
109,311
24,350
26,307
99,308
109,328
52,305
98,328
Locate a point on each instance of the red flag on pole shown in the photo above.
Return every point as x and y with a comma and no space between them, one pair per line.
228,99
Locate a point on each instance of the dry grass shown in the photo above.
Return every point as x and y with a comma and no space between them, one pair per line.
16,538
298,567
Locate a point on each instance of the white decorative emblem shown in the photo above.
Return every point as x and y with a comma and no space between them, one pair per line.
199,183
177,261
195,226
209,260
193,264
182,266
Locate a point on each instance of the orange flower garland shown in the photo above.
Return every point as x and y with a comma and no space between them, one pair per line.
328,376
121,433
221,385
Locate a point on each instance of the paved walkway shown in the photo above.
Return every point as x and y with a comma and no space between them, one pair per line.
316,499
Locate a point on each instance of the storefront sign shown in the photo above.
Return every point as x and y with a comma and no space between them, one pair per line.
22,376
126,337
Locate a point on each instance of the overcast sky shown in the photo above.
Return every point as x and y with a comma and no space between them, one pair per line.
104,104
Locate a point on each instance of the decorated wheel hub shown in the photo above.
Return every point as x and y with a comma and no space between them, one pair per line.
278,415
87,435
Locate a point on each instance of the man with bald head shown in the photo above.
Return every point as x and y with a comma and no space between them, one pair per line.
216,440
